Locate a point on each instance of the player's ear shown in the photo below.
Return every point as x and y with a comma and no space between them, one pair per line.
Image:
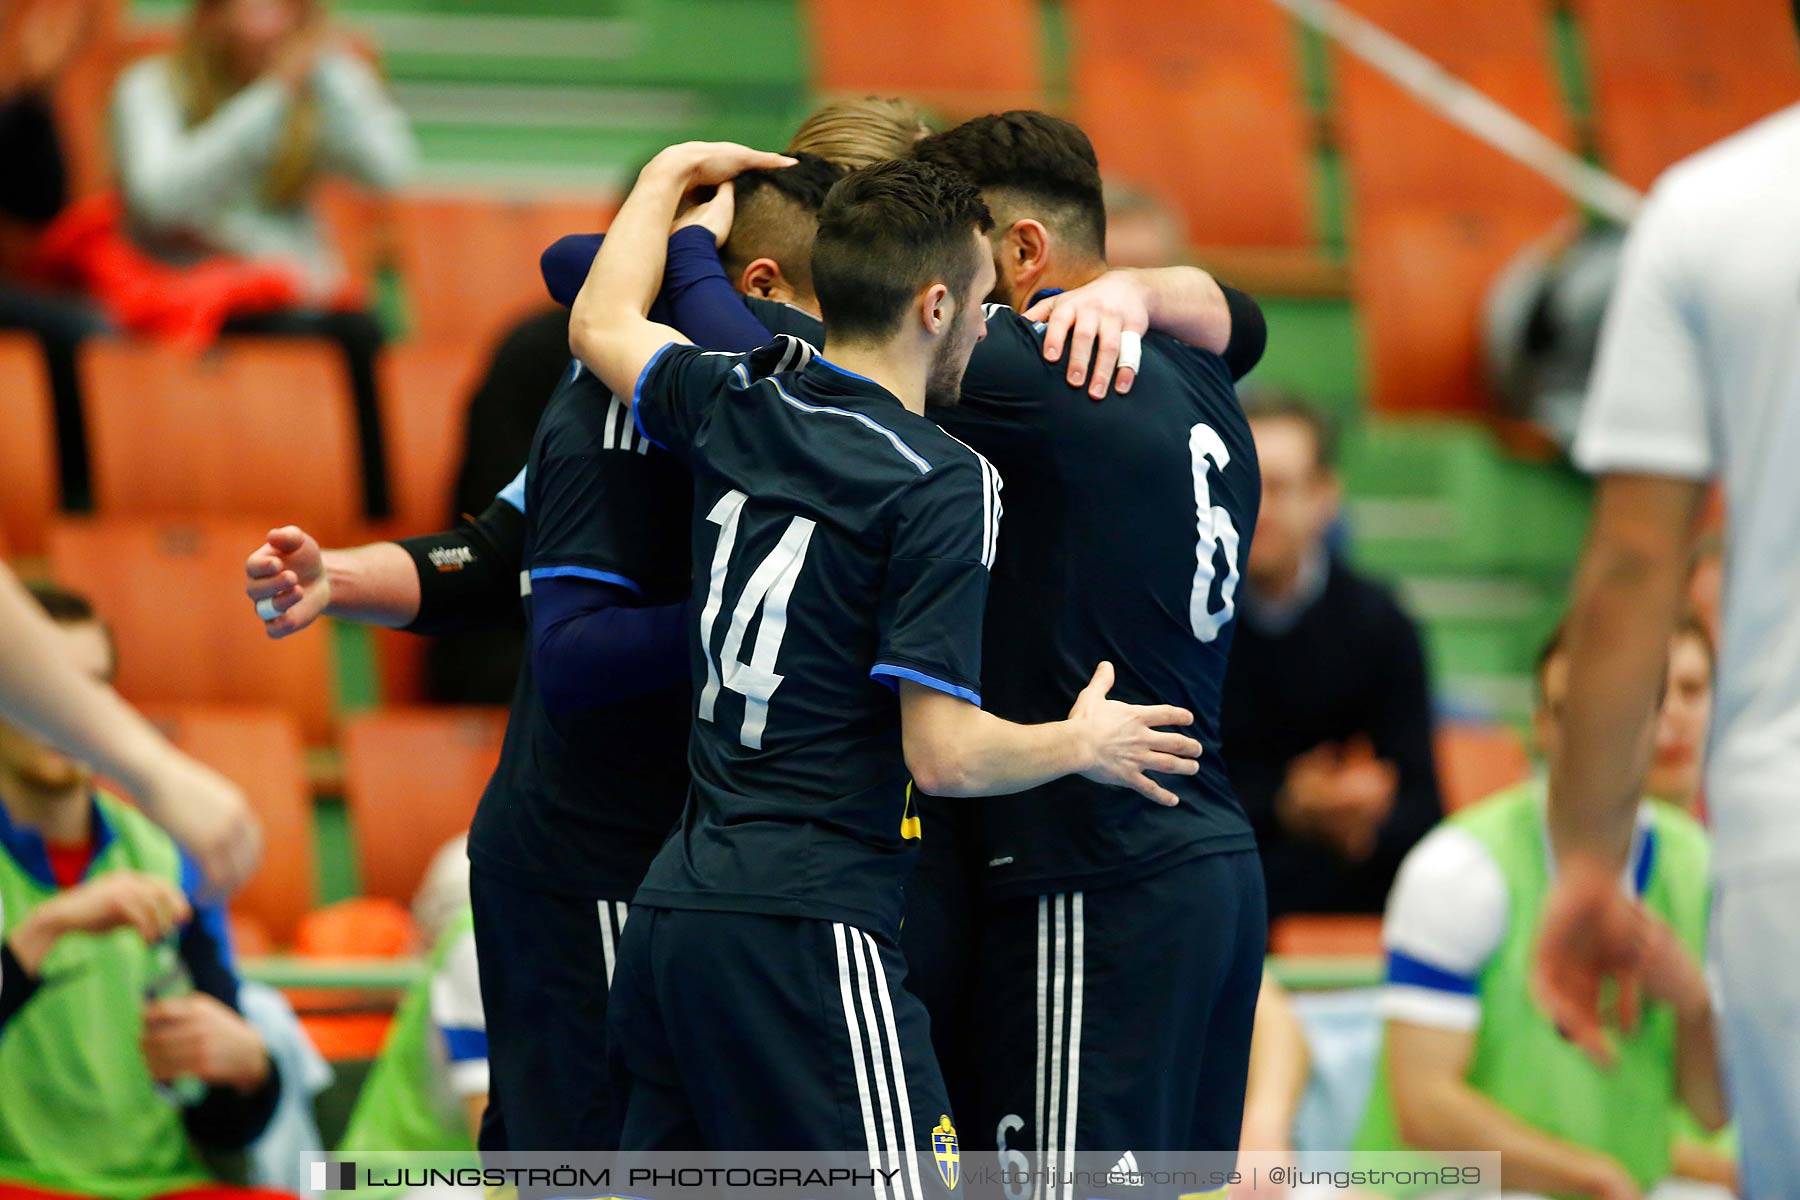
764,278
936,308
1025,253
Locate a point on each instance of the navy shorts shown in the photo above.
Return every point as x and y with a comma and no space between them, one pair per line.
545,960
1119,1019
739,1031
938,934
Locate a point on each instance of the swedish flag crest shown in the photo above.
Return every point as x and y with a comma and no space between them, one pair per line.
943,1148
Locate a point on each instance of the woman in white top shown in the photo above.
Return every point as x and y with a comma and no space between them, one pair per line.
219,146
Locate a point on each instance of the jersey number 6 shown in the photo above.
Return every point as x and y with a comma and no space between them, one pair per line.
771,586
1216,530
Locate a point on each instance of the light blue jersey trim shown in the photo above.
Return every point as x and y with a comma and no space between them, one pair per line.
637,394
629,585
826,362
879,670
906,452
514,492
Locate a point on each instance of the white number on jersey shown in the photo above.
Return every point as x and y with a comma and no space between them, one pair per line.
770,587
1216,532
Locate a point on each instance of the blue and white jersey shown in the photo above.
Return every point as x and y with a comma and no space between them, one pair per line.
841,543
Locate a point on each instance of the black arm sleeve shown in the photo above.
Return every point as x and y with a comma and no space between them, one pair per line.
1249,332
469,576
16,985
33,188
225,1118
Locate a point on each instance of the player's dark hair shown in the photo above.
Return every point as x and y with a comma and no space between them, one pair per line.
68,607
1265,405
887,232
1036,165
776,217
806,183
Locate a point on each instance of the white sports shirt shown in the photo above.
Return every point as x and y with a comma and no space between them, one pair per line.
1698,378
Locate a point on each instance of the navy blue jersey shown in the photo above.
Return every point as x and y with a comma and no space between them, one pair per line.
1128,524
841,543
581,801
779,318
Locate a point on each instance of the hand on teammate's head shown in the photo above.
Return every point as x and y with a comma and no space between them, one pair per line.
704,163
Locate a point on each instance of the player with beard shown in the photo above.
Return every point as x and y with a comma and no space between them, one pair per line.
842,542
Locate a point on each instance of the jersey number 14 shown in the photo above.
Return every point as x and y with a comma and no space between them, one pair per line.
770,588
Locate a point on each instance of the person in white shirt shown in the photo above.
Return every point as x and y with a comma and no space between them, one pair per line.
220,145
1698,379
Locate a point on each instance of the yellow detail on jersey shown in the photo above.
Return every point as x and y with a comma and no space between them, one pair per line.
911,828
945,1151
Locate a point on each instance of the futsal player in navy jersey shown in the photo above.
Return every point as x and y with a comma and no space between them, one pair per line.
841,549
1121,944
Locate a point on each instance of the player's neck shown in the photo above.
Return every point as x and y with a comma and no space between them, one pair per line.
899,369
1061,277
58,814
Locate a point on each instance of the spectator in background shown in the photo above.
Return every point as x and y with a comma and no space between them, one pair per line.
1327,715
38,41
219,145
121,1047
428,1089
1470,1061
1142,229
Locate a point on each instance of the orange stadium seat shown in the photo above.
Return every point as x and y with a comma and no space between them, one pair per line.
1434,212
259,750
1475,761
1672,76
1398,152
1202,99
1326,935
471,262
1420,279
960,59
412,778
425,389
174,595
256,426
28,482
